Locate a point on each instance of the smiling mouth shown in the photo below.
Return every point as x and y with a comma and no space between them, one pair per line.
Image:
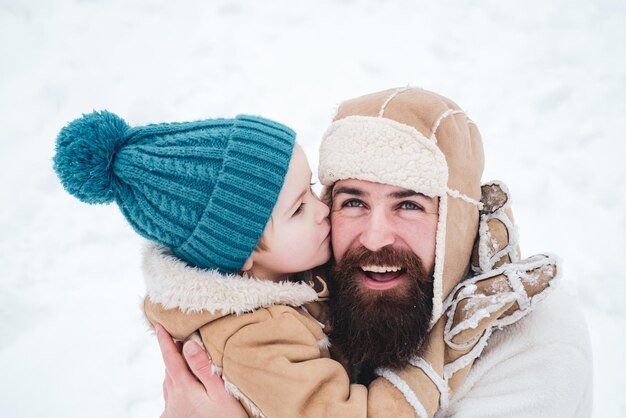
382,277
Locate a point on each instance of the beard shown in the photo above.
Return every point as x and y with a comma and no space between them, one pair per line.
379,328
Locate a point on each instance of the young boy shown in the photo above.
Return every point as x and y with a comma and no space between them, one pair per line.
204,193
228,206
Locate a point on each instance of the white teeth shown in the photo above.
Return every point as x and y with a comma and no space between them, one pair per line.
381,269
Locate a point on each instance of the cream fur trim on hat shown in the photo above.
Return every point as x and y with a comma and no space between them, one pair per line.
352,148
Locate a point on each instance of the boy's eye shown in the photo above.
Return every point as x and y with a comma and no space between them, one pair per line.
411,206
300,209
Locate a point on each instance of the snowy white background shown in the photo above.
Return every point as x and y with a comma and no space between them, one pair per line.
544,79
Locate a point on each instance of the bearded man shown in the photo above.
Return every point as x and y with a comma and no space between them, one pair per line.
401,170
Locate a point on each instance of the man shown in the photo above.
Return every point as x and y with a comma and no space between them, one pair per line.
402,172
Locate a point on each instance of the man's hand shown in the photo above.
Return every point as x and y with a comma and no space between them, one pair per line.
189,396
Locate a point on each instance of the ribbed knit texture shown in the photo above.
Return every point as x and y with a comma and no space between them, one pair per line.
204,189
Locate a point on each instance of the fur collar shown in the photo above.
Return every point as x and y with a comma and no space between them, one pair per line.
174,284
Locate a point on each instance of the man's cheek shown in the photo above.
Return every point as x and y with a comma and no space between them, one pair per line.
337,245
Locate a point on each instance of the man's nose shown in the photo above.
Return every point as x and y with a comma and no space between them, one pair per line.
377,231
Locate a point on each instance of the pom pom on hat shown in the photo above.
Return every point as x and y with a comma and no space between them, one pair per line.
85,152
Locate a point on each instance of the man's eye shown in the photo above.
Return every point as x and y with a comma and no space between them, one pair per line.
411,206
353,203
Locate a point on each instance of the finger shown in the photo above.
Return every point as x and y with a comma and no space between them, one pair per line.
538,279
201,366
174,362
167,382
471,319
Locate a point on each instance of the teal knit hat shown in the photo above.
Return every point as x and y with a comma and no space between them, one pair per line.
204,189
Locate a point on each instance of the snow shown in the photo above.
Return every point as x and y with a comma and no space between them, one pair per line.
543,79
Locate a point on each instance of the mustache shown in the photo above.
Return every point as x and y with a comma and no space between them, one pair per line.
410,263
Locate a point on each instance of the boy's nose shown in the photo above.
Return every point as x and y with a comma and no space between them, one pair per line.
322,211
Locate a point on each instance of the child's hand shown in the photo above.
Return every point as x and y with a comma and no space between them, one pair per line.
497,242
189,396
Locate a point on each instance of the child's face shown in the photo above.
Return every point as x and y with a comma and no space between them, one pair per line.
297,236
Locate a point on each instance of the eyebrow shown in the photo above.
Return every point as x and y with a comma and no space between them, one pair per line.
349,190
406,193
402,194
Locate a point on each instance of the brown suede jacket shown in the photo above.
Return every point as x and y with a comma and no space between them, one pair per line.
262,337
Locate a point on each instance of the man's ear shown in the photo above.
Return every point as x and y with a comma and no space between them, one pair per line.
248,264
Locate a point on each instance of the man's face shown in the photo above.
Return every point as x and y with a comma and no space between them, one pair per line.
383,240
374,216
